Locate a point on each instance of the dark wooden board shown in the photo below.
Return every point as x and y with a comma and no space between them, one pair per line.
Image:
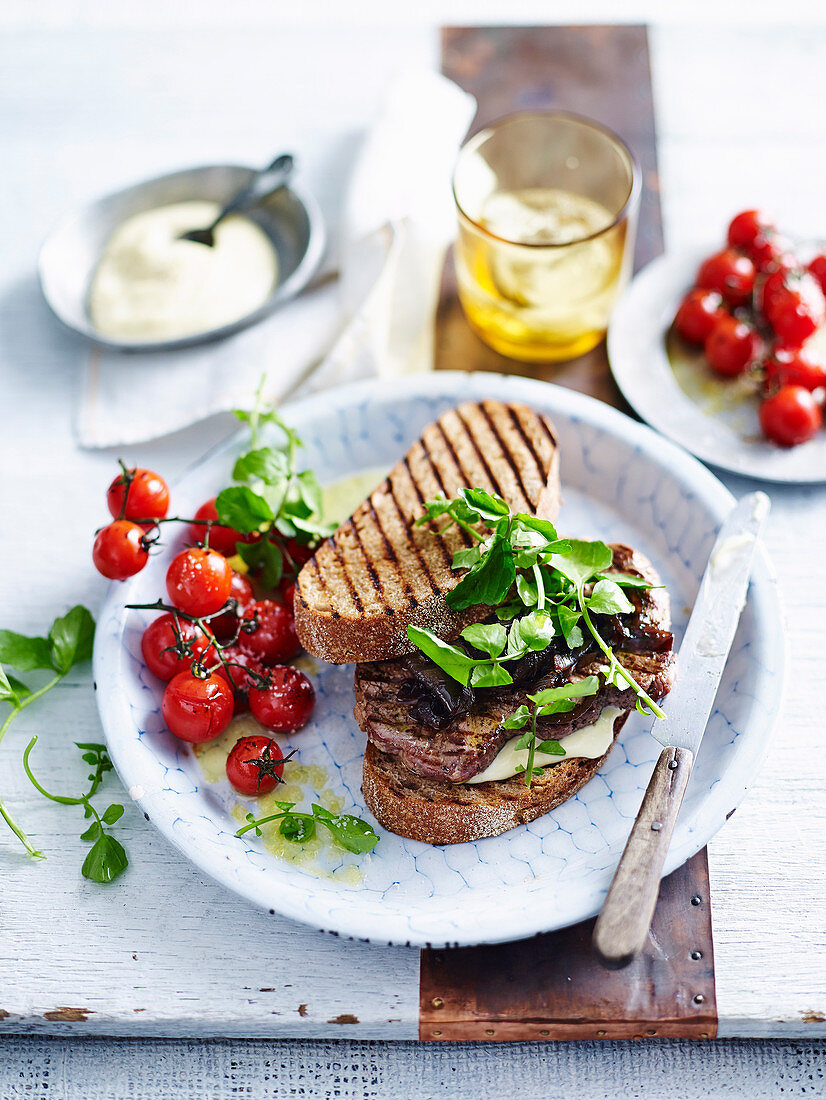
551,987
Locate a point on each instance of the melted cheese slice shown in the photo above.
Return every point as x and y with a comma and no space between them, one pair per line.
587,743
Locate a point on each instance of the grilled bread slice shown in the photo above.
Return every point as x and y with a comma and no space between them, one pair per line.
380,573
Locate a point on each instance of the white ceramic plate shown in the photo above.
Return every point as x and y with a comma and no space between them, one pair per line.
724,434
620,482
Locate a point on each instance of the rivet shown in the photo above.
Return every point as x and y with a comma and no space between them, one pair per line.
489,1031
437,1002
699,999
600,1033
656,826
651,1031
672,764
696,900
703,1034
436,1034
544,1031
696,955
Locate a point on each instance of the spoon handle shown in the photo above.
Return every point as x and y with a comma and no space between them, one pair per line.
263,183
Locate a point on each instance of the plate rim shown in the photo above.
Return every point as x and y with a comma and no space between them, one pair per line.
663,272
460,385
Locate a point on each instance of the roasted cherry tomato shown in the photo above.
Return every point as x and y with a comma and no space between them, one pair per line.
731,346
199,581
222,539
730,274
697,314
272,638
147,497
255,765
287,589
169,649
239,678
118,551
757,236
224,626
196,709
793,305
286,705
817,267
795,366
790,417
298,554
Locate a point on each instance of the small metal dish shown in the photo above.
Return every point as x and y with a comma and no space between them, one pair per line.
69,257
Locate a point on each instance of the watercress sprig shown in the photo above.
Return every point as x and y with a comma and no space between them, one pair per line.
549,701
543,586
348,831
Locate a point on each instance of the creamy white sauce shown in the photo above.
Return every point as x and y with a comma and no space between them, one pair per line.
587,743
728,552
149,285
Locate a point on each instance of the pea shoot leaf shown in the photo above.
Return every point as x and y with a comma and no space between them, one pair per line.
536,630
625,580
297,827
265,556
266,463
71,637
7,692
488,506
569,620
105,860
518,719
350,832
242,509
488,582
608,598
467,557
24,653
454,661
582,560
490,638
552,748
490,675
565,694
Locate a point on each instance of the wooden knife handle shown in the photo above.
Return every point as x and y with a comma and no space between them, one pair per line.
622,926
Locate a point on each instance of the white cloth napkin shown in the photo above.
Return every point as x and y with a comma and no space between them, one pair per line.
376,319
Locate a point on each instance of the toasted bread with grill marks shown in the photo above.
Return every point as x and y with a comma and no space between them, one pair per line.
454,813
380,573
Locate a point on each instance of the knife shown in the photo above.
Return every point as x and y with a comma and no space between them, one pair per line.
622,926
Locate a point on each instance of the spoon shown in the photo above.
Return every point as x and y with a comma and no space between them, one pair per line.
263,183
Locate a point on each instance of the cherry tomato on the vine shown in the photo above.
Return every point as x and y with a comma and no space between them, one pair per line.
793,305
287,590
798,366
239,678
730,274
224,626
168,651
195,709
731,346
817,267
698,312
199,581
118,550
790,417
299,553
757,236
222,539
147,497
286,705
255,765
273,640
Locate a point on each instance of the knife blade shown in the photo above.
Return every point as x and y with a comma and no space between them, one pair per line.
622,926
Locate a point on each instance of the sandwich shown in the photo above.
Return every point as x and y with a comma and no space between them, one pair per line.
496,661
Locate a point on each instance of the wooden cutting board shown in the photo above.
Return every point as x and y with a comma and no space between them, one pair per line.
551,987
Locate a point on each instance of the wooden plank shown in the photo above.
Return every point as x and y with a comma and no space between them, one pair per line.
551,987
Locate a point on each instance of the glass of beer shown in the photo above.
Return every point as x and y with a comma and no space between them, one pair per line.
547,205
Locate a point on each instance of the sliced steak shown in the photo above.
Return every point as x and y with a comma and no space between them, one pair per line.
441,731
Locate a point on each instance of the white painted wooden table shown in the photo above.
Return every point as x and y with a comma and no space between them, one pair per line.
85,108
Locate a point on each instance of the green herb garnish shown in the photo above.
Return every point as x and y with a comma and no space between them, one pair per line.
541,585
348,831
550,701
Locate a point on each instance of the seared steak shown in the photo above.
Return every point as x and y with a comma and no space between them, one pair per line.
441,731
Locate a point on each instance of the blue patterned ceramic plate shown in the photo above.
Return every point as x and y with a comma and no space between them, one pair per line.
712,418
621,482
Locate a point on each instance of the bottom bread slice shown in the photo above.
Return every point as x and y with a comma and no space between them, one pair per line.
453,813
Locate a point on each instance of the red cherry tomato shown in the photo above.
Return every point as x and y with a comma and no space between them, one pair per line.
793,305
224,626
790,417
222,539
273,640
730,274
697,314
239,679
287,589
757,236
795,366
197,710
817,267
118,551
299,554
286,705
731,346
147,496
199,581
160,642
255,765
